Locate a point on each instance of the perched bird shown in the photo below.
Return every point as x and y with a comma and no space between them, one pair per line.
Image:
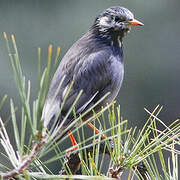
95,65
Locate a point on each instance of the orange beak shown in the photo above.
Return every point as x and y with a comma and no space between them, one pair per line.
135,22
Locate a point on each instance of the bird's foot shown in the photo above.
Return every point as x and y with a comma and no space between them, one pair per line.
74,143
97,131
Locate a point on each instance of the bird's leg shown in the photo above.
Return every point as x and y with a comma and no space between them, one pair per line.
73,141
75,144
96,130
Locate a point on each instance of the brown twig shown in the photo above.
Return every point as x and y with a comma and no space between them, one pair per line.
29,158
72,161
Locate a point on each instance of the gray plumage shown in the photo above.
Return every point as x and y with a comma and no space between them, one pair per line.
94,63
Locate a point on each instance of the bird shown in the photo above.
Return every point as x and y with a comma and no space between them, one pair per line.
94,64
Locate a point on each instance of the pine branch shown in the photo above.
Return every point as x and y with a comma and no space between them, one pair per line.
25,163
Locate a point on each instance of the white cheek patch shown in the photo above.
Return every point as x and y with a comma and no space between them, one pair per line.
104,22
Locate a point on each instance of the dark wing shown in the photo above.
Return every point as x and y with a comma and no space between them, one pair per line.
91,74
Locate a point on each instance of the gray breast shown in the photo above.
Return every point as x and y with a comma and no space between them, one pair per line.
117,73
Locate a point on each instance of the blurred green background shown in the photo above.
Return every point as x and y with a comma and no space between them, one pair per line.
152,52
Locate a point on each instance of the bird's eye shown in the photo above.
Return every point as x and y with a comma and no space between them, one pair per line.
119,19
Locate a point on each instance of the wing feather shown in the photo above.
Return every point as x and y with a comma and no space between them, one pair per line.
90,74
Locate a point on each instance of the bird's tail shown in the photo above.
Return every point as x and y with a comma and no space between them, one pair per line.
50,114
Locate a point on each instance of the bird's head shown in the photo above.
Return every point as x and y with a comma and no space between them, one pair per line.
116,21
